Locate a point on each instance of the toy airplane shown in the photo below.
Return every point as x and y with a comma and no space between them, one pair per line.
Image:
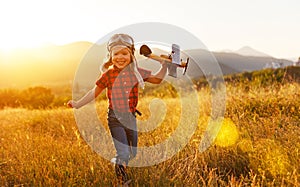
172,59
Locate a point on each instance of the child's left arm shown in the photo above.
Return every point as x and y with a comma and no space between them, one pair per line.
88,97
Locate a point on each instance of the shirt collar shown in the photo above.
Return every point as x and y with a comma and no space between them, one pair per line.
116,69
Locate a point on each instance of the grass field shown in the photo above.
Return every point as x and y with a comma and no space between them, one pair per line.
258,144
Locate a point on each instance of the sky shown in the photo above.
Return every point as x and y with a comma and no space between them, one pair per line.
269,26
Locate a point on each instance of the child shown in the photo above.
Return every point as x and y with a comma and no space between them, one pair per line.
121,78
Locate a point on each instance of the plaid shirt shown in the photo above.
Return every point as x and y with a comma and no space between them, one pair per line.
122,88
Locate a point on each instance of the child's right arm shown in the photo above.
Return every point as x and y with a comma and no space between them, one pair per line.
87,98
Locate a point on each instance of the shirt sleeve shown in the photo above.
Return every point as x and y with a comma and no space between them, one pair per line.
144,73
102,82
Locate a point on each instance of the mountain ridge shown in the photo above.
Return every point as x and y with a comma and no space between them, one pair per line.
54,63
249,51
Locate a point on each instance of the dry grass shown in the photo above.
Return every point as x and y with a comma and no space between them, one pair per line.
44,147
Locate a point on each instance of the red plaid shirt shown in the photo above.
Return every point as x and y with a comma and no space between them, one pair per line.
122,88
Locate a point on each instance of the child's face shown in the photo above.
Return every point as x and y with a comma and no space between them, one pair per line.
121,58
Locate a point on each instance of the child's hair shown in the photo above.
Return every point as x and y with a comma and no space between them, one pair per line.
106,64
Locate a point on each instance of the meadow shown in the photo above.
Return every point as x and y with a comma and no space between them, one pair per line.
257,145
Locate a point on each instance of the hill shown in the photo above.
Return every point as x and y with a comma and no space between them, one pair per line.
260,78
58,64
231,63
257,145
248,51
206,61
47,65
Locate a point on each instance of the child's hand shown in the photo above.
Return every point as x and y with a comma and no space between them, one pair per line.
164,63
72,104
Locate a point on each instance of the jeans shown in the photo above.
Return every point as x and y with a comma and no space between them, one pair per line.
124,132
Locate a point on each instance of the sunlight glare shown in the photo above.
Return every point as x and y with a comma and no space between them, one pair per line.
270,158
228,134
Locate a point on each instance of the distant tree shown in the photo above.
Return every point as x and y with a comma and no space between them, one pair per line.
37,97
9,98
59,101
298,62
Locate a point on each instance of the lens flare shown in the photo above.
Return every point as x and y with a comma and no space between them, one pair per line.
228,134
269,158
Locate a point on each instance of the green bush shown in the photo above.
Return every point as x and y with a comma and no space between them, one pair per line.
37,97
32,98
9,98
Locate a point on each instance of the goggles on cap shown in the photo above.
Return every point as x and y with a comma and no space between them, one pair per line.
120,39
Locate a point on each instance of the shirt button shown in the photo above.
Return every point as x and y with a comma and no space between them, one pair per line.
128,100
124,82
126,91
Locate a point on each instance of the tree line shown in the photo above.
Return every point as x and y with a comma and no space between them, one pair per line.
32,98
